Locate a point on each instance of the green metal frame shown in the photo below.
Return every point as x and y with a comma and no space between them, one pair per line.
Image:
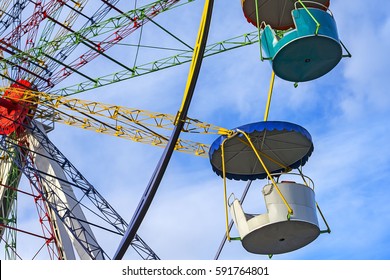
157,65
10,206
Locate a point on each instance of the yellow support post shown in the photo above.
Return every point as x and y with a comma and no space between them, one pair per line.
268,157
271,87
289,209
224,188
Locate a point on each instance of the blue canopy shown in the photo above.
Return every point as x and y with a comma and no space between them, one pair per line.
281,145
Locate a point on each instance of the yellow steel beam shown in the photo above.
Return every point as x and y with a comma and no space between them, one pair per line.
126,123
125,131
117,113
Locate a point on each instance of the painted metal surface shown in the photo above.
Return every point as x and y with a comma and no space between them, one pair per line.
282,145
9,181
158,174
307,52
275,232
54,180
276,13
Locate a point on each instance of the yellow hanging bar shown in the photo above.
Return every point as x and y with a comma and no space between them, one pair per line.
271,87
224,188
289,209
285,167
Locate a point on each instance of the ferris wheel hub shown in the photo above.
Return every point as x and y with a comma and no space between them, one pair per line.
14,107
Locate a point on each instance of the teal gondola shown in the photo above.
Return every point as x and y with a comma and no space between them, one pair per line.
307,52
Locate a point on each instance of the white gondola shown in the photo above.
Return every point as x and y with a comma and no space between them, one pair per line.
267,150
276,232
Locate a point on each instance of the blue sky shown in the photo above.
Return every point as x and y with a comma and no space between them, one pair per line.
345,111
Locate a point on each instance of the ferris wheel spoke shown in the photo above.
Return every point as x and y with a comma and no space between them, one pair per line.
46,45
29,67
121,114
96,49
128,123
157,65
37,17
74,13
48,225
78,180
77,177
67,42
16,64
32,33
16,80
159,26
130,132
45,239
114,218
7,17
83,236
10,246
48,50
32,40
17,42
48,55
48,180
10,177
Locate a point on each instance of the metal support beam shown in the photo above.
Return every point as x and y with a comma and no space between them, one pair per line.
154,182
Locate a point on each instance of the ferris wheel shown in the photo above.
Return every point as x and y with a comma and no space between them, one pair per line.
44,44
49,50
